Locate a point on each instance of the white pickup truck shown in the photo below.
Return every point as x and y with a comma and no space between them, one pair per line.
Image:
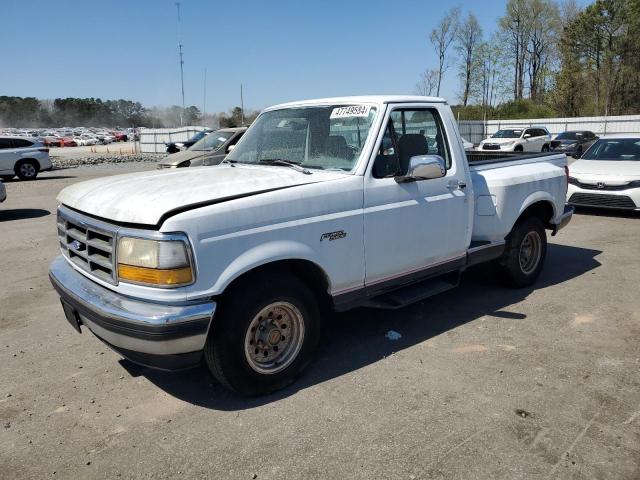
323,205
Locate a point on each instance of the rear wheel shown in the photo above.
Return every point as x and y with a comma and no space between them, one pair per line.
265,335
27,169
525,252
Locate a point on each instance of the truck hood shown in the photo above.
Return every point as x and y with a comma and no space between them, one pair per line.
145,198
615,170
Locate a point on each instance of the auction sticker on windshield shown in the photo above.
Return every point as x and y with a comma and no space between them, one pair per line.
351,111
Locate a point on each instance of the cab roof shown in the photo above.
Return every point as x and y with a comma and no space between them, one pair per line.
378,99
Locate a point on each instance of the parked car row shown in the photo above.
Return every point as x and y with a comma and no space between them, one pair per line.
538,139
72,137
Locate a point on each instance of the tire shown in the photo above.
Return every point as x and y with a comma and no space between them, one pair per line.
232,349
524,254
27,169
6,178
545,148
518,148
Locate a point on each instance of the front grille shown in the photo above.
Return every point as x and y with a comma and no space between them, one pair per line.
490,146
596,200
603,186
88,244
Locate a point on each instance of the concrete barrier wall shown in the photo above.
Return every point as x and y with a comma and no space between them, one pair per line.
154,140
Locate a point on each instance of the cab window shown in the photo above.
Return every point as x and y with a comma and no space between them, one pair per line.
419,132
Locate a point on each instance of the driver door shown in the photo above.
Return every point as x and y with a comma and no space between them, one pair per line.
416,226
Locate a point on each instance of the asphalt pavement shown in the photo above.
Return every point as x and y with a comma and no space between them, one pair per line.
482,381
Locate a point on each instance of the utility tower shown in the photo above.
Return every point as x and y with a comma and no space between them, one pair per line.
180,61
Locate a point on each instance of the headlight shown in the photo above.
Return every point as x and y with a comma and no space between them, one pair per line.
164,263
507,144
571,145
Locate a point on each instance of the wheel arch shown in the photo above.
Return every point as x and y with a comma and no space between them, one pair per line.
27,159
298,261
541,205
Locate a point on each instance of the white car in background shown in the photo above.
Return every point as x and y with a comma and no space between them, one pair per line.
22,157
468,146
607,175
518,139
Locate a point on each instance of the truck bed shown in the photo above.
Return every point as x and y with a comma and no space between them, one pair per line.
504,184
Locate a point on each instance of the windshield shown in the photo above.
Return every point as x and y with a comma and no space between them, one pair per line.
324,137
211,142
570,136
623,149
197,136
508,134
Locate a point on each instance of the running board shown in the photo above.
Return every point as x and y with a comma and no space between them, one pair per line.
414,293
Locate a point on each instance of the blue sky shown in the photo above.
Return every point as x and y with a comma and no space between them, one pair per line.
280,50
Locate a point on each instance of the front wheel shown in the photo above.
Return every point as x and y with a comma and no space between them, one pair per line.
266,334
545,148
525,252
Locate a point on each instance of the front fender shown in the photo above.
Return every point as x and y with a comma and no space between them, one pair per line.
264,254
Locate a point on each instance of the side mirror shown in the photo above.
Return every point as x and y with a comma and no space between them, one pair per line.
230,148
527,135
424,167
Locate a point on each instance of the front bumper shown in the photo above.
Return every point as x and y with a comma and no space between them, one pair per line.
163,336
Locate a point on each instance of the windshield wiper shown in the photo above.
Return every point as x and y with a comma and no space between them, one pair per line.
286,163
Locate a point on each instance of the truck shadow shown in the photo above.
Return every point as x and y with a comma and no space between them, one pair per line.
22,214
355,339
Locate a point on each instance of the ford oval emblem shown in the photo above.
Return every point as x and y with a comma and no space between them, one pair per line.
76,245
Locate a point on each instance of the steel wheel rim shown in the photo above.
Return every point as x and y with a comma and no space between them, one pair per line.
274,338
530,252
27,170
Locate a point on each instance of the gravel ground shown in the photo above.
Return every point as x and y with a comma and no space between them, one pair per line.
121,152
485,382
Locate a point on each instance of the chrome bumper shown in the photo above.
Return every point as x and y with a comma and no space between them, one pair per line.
564,219
158,335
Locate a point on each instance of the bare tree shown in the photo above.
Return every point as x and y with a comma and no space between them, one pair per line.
428,83
516,30
468,38
441,38
544,23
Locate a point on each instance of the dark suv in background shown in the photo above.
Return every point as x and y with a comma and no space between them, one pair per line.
573,142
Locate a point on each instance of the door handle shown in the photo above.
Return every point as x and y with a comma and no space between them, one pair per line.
456,184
